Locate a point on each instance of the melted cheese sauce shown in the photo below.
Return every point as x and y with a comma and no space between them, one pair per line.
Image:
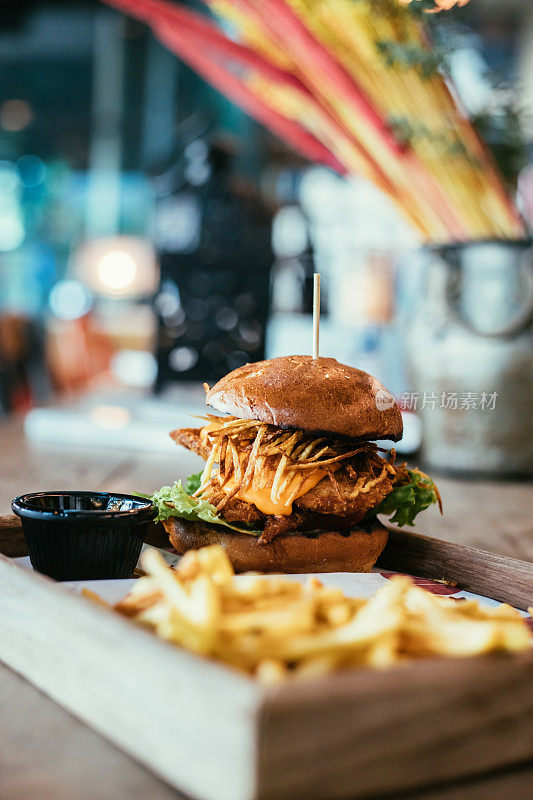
212,426
261,498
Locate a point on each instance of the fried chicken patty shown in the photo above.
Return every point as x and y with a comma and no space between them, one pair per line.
191,439
330,502
330,497
237,510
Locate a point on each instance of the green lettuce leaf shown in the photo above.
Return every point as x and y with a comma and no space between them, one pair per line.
175,501
192,482
408,500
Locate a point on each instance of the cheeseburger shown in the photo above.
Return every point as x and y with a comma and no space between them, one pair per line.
293,478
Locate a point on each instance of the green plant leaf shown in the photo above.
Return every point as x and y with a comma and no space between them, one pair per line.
192,482
175,501
407,500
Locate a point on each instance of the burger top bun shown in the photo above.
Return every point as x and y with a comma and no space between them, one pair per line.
312,394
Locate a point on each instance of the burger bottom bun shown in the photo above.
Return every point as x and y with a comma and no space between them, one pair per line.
356,550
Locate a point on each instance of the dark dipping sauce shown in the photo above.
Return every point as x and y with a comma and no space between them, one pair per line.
73,535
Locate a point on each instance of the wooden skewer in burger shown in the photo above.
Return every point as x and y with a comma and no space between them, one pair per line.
293,479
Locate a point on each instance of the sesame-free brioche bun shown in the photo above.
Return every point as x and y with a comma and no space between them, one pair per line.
354,550
312,394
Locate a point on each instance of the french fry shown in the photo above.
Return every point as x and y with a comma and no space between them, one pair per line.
94,598
254,586
270,671
274,628
133,605
315,666
214,562
288,620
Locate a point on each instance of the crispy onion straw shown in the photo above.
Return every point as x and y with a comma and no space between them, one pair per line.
253,453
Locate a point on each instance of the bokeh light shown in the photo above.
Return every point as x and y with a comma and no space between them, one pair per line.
136,368
112,418
289,232
32,171
182,359
12,231
117,266
9,178
117,270
69,300
15,115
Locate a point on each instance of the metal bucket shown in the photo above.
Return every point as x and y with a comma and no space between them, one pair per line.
470,357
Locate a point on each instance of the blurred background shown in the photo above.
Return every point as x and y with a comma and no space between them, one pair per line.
153,236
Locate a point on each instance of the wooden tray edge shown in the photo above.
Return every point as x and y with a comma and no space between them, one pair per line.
471,716
501,578
85,665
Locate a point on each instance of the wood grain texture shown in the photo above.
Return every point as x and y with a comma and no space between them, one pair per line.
12,541
371,733
346,736
493,515
161,704
512,784
508,580
48,754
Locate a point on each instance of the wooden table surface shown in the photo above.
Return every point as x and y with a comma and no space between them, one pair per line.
47,754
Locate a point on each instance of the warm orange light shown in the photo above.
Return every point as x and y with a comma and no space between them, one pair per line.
15,115
117,266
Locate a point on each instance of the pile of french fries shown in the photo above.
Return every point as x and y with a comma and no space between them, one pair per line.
275,628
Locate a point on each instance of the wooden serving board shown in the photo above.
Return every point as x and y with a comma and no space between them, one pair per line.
217,735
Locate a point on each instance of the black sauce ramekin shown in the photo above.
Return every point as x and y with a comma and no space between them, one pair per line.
83,535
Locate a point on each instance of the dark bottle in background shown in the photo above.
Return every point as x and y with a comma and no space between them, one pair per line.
213,234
